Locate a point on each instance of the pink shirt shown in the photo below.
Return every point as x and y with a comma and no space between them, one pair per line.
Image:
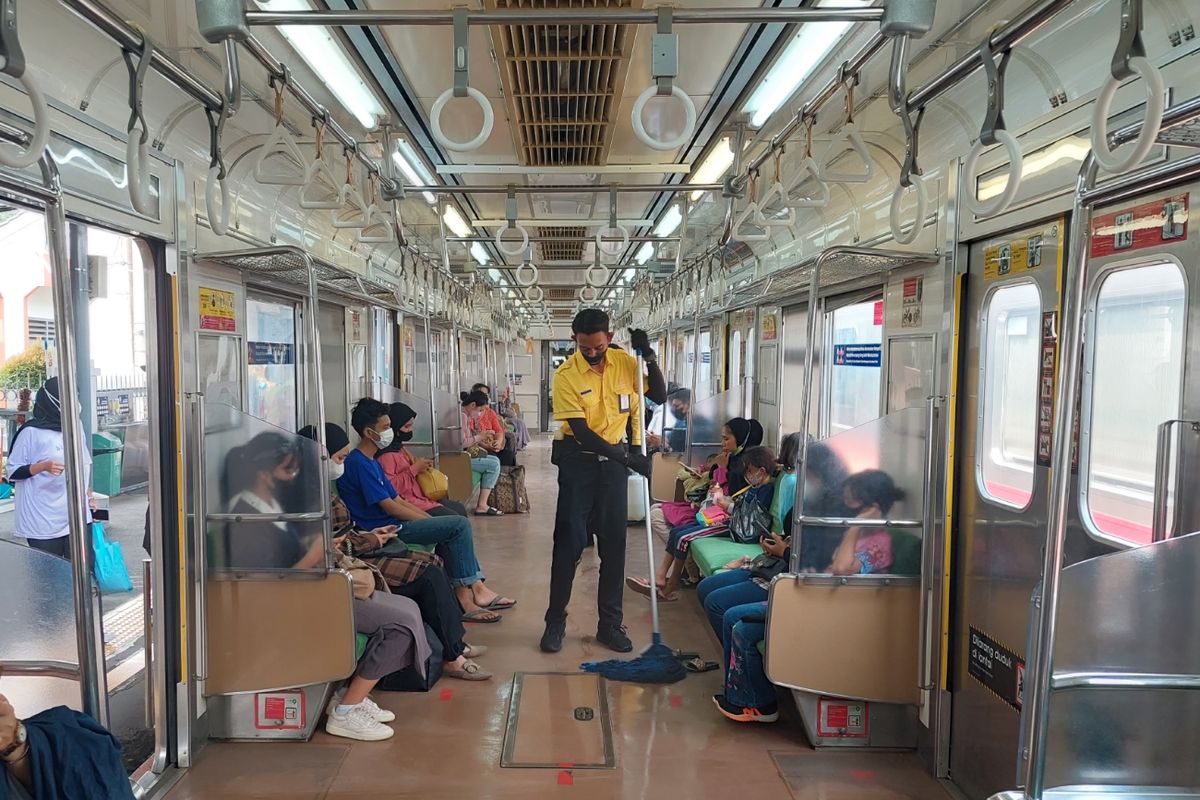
398,466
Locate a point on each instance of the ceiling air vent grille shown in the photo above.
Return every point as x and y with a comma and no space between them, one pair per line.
560,293
563,82
562,251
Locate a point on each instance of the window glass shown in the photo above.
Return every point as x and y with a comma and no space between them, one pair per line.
271,359
856,366
1008,394
1138,334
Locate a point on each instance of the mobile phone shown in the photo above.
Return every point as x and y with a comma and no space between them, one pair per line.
100,515
344,530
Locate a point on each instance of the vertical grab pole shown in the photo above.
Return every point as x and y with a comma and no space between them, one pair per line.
814,328
433,413
924,679
1162,475
314,345
201,528
89,635
638,408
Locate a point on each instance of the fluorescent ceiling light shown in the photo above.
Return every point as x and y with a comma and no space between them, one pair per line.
644,253
1066,151
808,48
669,222
413,169
329,62
455,222
479,253
494,274
629,273
715,165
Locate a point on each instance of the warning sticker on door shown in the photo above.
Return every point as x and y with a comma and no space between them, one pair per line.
1007,258
844,719
995,666
1163,221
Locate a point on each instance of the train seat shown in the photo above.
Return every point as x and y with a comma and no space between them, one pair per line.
714,552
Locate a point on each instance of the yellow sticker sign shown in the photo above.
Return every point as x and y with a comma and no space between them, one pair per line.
1026,253
218,310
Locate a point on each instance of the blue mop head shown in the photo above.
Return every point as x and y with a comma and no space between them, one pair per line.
657,664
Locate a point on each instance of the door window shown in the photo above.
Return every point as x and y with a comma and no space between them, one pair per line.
271,360
1008,393
1135,384
855,370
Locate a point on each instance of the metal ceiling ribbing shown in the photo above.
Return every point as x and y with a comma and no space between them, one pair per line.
563,83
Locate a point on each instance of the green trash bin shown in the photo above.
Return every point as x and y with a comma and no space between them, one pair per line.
106,463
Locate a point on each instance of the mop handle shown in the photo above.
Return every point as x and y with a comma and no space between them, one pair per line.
646,499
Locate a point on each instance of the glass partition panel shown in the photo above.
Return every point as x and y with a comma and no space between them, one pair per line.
266,476
423,424
449,421
709,417
876,471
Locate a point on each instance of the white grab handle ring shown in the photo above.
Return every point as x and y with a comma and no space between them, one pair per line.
603,234
1015,166
1141,147
489,117
590,275
534,294
137,173
520,248
689,127
777,192
821,198
918,185
217,222
754,216
588,294
533,276
850,136
12,156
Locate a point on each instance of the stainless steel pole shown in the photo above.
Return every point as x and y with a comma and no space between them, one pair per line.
683,16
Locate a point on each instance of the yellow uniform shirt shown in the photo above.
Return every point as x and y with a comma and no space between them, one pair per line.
604,401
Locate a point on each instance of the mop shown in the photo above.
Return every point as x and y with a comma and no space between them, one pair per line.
657,663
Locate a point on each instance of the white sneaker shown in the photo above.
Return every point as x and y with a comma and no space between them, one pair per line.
380,714
357,723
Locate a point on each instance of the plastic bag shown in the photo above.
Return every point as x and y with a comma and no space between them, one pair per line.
110,570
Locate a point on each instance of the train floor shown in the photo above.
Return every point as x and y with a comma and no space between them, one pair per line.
669,741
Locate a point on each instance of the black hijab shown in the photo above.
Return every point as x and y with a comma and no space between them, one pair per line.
47,411
399,414
747,433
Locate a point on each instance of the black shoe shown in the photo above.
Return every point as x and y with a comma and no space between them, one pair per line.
552,639
614,639
737,713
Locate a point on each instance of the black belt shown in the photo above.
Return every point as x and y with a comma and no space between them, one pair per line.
571,447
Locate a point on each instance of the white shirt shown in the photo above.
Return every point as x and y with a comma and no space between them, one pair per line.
41,506
662,420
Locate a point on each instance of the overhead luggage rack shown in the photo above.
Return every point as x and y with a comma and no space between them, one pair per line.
291,265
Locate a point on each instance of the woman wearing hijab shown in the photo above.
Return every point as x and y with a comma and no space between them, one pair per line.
37,462
402,467
729,481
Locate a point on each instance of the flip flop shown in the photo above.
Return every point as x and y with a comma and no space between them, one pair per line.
500,604
491,512
476,615
698,664
642,587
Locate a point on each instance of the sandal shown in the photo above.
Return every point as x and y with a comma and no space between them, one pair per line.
491,512
474,650
500,604
642,587
470,672
481,615
698,664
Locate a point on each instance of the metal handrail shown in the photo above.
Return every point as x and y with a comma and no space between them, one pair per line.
858,522
614,16
41,668
1164,453
880,579
1065,681
306,516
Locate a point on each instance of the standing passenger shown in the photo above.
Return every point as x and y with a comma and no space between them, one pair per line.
595,391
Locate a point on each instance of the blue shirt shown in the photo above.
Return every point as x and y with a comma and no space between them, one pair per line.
362,488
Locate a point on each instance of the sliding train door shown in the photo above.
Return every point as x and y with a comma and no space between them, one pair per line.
1008,355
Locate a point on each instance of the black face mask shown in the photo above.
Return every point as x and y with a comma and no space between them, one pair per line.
404,436
593,360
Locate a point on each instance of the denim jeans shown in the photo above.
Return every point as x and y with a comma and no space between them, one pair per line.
725,590
746,683
488,469
452,536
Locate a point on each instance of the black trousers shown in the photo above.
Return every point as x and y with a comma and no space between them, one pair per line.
440,609
448,508
60,546
589,490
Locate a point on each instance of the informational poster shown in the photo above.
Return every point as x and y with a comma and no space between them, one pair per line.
259,353
1023,254
218,310
770,327
1046,388
878,318
283,711
1148,225
910,300
843,719
999,669
858,355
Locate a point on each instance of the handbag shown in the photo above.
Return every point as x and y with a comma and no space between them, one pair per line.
110,571
477,451
767,566
365,580
748,521
434,484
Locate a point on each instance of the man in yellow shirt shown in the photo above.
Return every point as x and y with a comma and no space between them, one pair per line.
596,400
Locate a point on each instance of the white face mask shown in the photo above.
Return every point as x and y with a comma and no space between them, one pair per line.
336,470
386,438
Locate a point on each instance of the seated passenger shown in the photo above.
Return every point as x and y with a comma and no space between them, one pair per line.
402,467
373,504
824,476
758,467
508,412
680,403
785,482
483,429
869,494
258,479
484,462
749,696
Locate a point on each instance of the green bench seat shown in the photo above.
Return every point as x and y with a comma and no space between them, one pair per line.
714,552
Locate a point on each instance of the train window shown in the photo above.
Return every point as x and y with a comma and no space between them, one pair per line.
271,359
1137,340
855,371
1008,393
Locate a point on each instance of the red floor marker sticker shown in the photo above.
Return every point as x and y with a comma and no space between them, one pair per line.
862,774
565,778
447,694
565,765
676,701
